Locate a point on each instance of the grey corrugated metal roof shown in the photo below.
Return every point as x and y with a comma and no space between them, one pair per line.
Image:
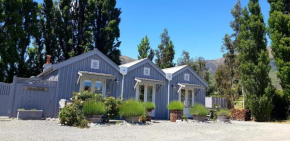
97,74
77,58
192,85
135,64
173,69
150,80
132,63
176,70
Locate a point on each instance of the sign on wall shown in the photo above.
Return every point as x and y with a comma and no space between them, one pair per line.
186,77
32,88
146,71
95,64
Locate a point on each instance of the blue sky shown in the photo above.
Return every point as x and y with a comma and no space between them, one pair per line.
196,26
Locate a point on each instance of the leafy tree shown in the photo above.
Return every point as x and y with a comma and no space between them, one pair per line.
104,20
223,82
279,32
229,47
254,62
145,50
18,26
165,52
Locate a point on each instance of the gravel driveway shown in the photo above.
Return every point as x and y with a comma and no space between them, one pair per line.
162,131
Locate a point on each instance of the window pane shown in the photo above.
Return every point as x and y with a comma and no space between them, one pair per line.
182,96
87,85
189,97
149,93
98,87
141,93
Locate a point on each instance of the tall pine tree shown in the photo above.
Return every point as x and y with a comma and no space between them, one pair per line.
18,25
165,52
230,48
104,20
145,50
279,31
254,62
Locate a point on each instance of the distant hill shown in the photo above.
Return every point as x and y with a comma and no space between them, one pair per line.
213,64
126,59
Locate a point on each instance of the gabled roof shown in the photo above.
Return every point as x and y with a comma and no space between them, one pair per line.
135,64
78,58
179,69
132,63
173,69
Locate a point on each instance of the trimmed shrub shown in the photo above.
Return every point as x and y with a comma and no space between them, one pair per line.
94,108
131,108
70,115
86,95
261,107
112,107
175,105
149,106
223,112
199,110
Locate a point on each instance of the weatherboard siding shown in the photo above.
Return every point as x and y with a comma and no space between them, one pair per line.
200,95
160,95
68,76
53,76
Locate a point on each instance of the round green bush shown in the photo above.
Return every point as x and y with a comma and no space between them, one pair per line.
94,108
223,112
175,105
149,106
68,115
131,108
199,110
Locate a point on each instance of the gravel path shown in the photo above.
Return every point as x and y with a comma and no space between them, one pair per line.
162,131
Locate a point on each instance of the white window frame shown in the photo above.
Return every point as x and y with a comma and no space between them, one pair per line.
95,61
186,77
148,70
93,81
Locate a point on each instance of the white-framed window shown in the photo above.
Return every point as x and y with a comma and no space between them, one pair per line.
146,71
95,64
186,77
97,86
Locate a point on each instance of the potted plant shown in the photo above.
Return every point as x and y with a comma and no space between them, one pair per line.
223,115
176,108
94,111
131,109
149,107
199,112
32,114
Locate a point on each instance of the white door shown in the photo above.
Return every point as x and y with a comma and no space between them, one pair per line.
186,96
146,93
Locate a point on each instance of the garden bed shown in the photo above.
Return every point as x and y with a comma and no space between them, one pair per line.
29,114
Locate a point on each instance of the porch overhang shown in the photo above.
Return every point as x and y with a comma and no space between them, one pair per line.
95,75
187,85
147,81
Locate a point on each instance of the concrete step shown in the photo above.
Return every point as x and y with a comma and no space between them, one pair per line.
5,118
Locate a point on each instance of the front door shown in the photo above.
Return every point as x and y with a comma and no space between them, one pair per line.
146,93
186,96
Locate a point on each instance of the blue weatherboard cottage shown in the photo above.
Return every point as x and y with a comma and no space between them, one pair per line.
91,71
186,86
144,81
